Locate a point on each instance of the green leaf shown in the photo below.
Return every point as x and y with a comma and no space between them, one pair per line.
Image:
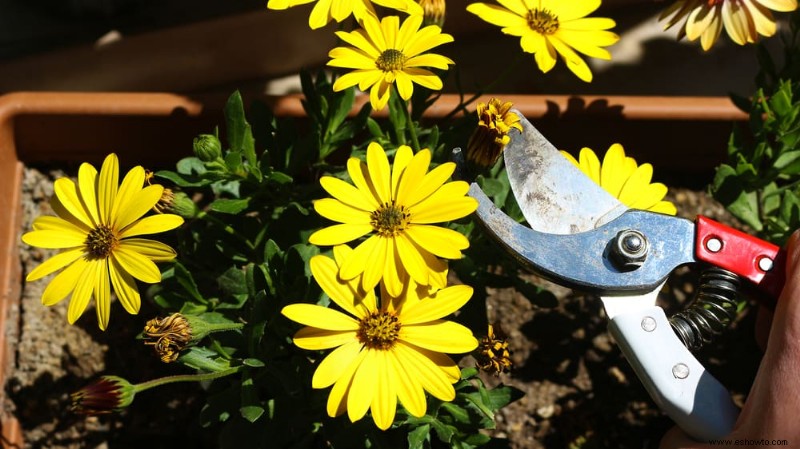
233,161
229,206
183,180
279,177
251,408
233,281
456,412
418,437
185,279
201,358
255,363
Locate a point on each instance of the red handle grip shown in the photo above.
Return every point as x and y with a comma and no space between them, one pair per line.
762,263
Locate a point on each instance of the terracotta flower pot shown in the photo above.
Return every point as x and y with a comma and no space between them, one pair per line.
678,135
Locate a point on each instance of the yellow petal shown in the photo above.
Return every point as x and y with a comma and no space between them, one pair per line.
613,173
83,290
137,265
440,336
384,401
55,239
402,158
337,400
358,260
394,275
54,264
364,387
319,317
376,261
64,283
412,179
442,242
633,186
413,261
379,172
314,339
590,164
431,377
447,301
133,206
348,194
102,294
326,273
152,224
335,210
153,250
335,364
447,204
125,287
338,234
107,186
409,390
87,188
67,196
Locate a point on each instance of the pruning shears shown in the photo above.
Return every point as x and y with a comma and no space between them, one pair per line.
581,237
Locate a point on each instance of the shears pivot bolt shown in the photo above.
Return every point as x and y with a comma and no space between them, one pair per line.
680,371
629,249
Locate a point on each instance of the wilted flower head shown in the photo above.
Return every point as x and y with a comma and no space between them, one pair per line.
168,336
493,355
105,395
495,121
744,20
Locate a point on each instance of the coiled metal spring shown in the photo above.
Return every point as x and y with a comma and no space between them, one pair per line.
712,309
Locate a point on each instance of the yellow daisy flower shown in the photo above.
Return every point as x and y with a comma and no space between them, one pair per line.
385,352
549,28
744,20
397,206
326,10
97,227
620,176
385,53
487,142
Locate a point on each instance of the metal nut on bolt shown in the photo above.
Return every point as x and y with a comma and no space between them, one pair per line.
629,249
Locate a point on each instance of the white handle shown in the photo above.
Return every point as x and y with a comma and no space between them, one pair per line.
676,381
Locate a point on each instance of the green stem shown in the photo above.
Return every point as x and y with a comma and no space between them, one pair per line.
138,388
412,130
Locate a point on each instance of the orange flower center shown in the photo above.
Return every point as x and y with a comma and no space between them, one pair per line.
380,330
542,21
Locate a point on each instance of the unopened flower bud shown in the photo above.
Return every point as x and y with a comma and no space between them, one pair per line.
433,12
207,147
105,395
182,205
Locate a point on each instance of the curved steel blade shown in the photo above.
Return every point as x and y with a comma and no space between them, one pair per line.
554,195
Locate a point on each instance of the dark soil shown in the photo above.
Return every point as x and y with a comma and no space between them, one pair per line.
579,390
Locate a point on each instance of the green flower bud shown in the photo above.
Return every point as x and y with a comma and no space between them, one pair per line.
207,147
182,205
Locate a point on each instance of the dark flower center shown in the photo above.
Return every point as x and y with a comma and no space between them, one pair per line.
390,219
542,21
379,330
390,60
101,241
